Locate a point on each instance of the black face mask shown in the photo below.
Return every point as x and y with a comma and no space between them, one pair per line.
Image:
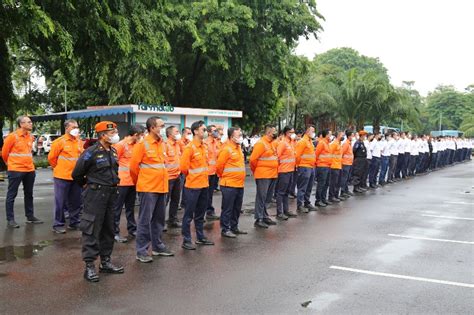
343,138
275,135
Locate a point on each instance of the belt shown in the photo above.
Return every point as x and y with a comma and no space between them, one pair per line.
95,186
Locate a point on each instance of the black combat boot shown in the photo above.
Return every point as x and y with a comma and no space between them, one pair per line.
90,274
107,266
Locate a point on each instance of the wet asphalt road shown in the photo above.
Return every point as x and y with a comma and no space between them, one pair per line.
274,271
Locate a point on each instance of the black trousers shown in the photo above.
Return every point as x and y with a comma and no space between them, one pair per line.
126,196
360,167
173,198
97,223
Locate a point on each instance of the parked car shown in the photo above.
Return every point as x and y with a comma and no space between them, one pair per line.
48,140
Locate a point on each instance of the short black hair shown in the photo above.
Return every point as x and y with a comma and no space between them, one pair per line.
324,133
210,127
286,129
269,126
196,125
185,128
349,132
169,130
231,130
320,133
310,126
151,122
136,129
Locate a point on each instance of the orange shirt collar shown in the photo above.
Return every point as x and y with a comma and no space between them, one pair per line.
197,142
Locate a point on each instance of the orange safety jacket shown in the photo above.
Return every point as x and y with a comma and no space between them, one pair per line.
305,153
63,156
194,166
16,151
230,165
124,155
183,143
212,145
323,154
286,156
147,166
173,154
263,160
347,154
336,151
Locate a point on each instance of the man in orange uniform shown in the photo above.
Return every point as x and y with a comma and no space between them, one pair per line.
126,188
230,168
62,157
212,143
286,168
335,173
264,166
194,166
16,153
323,164
347,159
305,162
173,154
148,171
186,138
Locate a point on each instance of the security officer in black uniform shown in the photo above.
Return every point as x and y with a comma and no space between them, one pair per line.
360,165
97,168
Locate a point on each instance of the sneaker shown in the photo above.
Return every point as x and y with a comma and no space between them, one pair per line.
269,221
144,258
238,231
228,234
188,246
260,224
120,239
290,214
320,204
59,229
33,220
327,202
212,217
162,252
281,217
302,209
174,225
12,224
310,207
204,241
74,227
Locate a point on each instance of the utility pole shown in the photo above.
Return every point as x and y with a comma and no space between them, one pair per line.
65,96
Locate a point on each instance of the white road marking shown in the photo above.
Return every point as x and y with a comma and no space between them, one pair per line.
447,217
431,239
459,202
392,275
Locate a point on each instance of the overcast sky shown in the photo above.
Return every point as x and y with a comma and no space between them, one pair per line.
430,42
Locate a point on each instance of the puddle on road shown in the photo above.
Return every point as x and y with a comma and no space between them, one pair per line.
321,301
13,253
397,249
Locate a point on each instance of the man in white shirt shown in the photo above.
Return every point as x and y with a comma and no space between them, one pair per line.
413,156
401,163
407,145
393,149
385,159
375,149
365,175
434,153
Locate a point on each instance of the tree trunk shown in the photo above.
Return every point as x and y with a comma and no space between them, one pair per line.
6,86
376,125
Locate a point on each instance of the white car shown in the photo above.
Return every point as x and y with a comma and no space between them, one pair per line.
48,140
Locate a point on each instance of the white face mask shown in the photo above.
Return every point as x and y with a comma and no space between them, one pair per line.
312,135
293,136
223,138
239,140
177,137
189,137
163,133
74,132
205,135
114,139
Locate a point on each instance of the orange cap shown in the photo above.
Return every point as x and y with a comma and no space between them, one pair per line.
105,126
362,133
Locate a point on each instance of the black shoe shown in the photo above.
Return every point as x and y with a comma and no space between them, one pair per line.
259,223
327,202
228,234
320,204
188,246
204,241
282,217
212,217
358,191
12,224
269,221
90,274
162,252
74,227
107,267
310,207
174,225
290,214
349,193
373,187
33,220
120,239
239,232
59,229
144,258
333,200
302,209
